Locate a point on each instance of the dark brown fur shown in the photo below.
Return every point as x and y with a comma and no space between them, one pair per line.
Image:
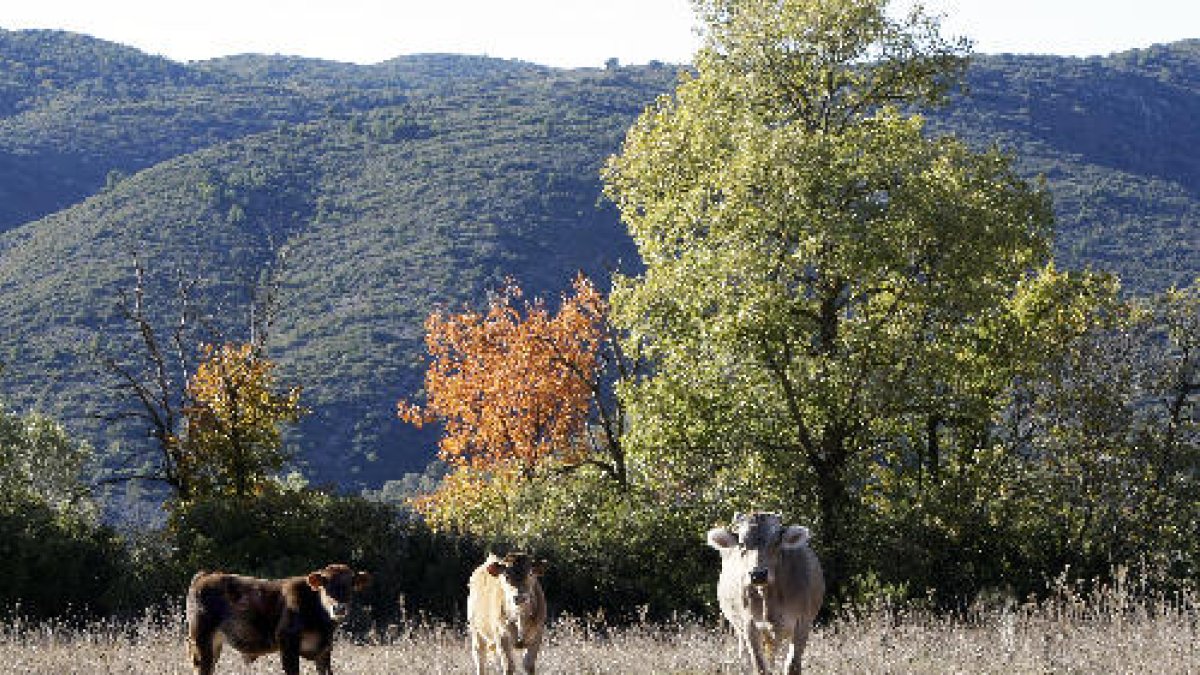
295,616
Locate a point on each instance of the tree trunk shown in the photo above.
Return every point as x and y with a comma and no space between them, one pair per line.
836,512
933,446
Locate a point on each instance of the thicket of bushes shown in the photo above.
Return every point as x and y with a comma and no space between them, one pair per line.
629,563
53,565
1092,468
58,566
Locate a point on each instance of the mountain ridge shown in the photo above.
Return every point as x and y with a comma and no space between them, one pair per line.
379,193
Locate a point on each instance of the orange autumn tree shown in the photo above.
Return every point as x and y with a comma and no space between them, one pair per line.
513,388
233,418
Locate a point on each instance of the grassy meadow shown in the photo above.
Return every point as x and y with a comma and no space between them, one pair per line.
1103,632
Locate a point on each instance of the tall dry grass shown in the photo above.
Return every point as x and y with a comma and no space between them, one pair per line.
1108,630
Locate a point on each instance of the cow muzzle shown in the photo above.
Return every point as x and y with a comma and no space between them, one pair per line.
759,576
520,633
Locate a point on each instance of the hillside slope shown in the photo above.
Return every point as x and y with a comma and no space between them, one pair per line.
77,112
383,192
373,219
1116,139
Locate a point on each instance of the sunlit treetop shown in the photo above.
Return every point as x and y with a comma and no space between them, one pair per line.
512,385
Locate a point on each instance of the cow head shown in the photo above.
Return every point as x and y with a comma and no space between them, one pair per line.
516,572
336,586
753,543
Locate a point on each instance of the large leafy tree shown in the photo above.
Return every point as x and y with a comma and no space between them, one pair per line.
1111,438
820,270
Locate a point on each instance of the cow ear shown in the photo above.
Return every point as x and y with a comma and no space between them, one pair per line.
361,580
795,536
721,538
495,567
316,580
539,567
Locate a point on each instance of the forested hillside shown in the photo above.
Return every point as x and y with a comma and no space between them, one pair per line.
382,192
1115,139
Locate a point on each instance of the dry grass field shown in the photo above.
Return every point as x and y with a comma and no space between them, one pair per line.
1104,633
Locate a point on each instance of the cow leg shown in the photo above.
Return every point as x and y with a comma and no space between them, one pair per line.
796,650
757,659
508,656
290,660
531,653
324,663
479,650
289,655
204,645
743,648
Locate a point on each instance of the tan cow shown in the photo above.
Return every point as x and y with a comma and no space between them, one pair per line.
506,611
771,586
295,617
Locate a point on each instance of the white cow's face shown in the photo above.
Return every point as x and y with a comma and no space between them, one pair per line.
752,545
516,573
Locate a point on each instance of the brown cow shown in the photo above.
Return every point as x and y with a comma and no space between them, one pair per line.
506,610
295,616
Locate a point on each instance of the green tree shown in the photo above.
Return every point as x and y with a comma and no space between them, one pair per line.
966,484
819,269
1110,442
40,462
54,556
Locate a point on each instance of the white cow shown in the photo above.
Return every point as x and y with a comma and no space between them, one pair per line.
506,611
771,586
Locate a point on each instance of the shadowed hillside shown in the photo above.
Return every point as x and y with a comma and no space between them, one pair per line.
382,192
1115,138
378,216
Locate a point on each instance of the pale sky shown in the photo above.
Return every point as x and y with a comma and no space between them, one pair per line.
569,33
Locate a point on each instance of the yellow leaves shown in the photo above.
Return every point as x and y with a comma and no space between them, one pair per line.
233,420
1059,306
468,499
232,381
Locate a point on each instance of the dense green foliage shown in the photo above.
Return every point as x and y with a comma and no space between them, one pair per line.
819,270
856,323
285,533
624,552
606,553
54,565
40,462
53,554
385,191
